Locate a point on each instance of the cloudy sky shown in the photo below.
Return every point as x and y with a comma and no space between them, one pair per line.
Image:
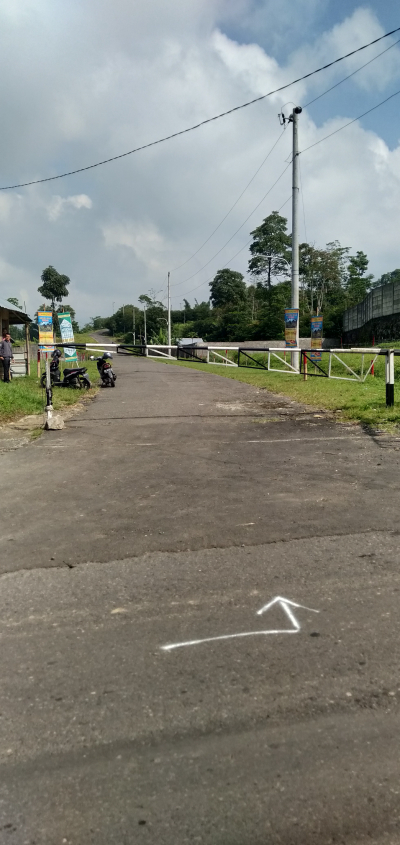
84,80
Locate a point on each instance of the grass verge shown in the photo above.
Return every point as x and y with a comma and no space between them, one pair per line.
364,403
23,396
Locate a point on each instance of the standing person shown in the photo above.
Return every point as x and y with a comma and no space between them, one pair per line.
6,355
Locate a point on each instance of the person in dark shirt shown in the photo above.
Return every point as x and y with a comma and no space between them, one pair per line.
6,355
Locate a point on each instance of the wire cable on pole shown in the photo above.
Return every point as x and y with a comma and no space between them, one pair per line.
202,122
235,233
386,100
230,259
234,204
302,201
325,138
351,74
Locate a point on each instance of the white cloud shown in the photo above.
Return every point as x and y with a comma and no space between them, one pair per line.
87,81
59,204
146,243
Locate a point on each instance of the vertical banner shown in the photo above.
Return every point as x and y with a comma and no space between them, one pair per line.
67,334
45,326
316,338
291,321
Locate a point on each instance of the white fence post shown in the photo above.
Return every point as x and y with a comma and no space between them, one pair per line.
389,373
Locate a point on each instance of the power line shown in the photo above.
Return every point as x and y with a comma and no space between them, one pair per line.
203,122
350,75
234,204
302,201
396,93
230,259
273,147
235,233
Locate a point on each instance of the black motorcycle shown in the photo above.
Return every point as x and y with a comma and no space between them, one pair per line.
72,377
106,372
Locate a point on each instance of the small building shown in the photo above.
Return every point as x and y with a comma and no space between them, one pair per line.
189,341
11,316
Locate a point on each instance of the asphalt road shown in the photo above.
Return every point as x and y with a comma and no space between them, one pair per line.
145,697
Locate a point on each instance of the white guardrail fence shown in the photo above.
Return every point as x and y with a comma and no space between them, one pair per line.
267,358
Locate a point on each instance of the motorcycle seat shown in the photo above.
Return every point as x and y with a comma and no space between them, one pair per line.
73,370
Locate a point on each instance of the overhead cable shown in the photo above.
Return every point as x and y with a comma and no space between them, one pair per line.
345,78
234,204
203,122
175,296
325,138
386,100
335,132
176,284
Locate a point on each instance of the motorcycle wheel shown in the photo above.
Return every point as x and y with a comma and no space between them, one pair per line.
112,383
85,383
43,381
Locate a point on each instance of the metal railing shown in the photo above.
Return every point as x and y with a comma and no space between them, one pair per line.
270,354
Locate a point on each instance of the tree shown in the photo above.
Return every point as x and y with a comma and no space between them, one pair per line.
270,317
358,281
270,249
54,287
387,278
14,301
227,288
323,273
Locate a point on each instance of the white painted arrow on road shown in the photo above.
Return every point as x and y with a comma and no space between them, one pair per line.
285,604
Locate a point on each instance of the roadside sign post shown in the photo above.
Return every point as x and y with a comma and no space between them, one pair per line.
49,392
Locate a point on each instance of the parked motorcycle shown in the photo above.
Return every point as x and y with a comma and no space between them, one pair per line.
106,372
75,377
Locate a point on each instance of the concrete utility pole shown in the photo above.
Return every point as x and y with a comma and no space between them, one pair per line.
295,224
169,313
145,330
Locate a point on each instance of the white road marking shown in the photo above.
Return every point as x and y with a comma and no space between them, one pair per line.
226,637
286,605
300,439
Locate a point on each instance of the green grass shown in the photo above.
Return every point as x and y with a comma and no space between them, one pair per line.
355,401
23,396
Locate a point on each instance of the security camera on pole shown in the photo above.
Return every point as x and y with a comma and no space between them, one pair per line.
295,225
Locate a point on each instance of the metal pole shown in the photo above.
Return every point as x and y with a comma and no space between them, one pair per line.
169,313
28,354
295,226
389,372
134,325
49,392
145,330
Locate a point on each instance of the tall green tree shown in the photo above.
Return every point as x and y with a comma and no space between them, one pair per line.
270,250
387,278
269,324
54,287
14,301
358,280
323,275
227,288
